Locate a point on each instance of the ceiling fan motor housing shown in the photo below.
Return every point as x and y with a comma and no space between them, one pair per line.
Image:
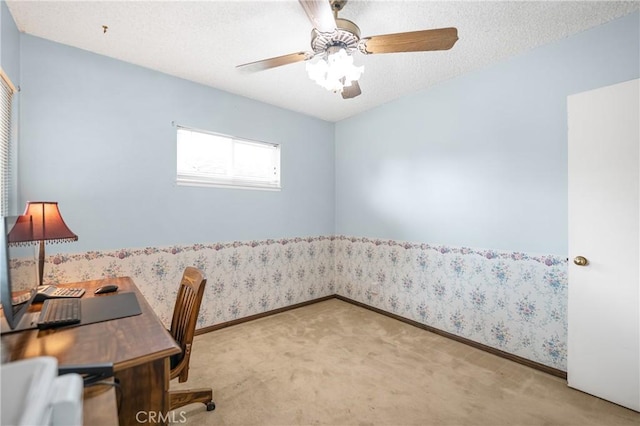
346,36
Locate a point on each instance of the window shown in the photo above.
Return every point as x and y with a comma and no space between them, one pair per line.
209,159
6,95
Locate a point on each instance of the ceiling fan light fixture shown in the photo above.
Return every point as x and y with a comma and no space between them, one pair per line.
335,70
334,39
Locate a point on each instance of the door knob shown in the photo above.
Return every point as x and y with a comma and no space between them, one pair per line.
580,261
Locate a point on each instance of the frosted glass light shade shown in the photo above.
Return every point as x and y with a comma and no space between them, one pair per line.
334,71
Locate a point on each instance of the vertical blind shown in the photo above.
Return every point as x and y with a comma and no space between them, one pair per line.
6,95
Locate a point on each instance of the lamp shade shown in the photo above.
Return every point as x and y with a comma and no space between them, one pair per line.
41,221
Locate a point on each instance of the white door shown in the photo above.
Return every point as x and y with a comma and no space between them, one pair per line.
604,228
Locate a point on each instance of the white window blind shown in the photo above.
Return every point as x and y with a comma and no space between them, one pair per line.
210,159
6,95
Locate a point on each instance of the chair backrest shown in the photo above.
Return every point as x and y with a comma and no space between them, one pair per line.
185,317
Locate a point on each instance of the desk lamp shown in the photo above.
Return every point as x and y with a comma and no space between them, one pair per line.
40,222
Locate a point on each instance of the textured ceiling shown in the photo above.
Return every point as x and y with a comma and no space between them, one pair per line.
204,41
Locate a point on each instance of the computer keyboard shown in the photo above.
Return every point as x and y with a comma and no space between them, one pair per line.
59,312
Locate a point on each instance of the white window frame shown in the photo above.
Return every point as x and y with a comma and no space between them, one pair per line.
7,90
232,179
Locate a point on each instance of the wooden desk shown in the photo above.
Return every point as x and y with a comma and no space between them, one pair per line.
139,348
100,405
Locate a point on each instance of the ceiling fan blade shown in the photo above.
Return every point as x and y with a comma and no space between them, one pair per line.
265,64
352,91
415,41
320,14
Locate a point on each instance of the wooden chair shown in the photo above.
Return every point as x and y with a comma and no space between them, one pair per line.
183,327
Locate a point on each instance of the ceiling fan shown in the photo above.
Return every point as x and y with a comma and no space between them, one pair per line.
334,40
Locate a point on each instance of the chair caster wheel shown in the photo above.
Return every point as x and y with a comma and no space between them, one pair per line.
211,406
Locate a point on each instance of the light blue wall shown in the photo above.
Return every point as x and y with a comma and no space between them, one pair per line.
10,62
96,136
9,44
479,160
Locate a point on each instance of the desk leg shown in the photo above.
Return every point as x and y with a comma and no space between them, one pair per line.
144,391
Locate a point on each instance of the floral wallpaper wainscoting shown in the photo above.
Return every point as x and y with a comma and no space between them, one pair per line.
511,301
243,278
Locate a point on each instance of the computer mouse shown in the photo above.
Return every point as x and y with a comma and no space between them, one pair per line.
108,288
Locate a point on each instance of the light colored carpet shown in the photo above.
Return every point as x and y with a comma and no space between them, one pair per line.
333,363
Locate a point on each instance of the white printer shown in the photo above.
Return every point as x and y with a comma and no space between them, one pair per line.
33,394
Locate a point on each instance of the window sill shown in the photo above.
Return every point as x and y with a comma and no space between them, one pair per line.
244,185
